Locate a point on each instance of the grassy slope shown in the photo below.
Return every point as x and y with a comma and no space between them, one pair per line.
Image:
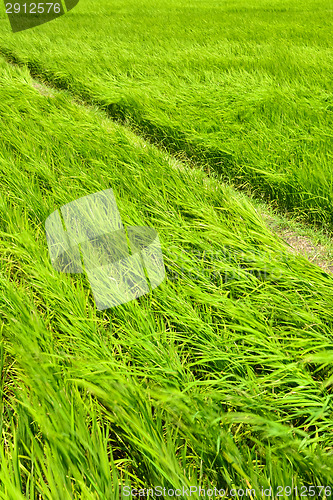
245,86
207,380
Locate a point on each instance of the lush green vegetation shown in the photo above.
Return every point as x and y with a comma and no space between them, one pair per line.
245,86
221,376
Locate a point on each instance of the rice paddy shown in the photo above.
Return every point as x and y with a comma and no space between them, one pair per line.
221,377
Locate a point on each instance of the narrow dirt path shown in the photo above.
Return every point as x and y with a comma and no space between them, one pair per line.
296,241
301,244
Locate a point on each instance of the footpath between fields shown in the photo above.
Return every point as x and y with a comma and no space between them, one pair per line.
314,243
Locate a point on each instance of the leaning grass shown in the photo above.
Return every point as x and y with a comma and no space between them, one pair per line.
221,376
243,87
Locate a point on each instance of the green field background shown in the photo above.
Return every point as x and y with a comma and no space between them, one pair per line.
244,87
222,376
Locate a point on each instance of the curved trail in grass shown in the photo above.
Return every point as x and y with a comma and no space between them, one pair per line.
298,243
241,89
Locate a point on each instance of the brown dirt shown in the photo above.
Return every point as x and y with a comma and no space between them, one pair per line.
43,89
303,245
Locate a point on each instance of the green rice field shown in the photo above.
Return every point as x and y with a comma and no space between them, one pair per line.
243,86
197,115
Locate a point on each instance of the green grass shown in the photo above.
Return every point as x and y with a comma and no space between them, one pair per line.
221,376
244,87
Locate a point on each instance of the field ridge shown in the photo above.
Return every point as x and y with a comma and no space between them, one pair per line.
280,189
304,244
